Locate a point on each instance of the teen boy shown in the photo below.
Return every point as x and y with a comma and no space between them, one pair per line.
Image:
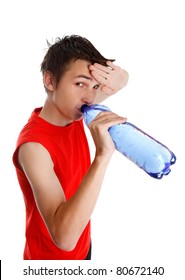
59,184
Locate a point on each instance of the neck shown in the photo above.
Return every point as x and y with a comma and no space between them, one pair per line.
51,114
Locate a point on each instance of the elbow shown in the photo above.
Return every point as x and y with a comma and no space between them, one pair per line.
65,241
63,231
65,245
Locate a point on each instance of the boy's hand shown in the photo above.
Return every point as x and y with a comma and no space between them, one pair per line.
111,77
99,131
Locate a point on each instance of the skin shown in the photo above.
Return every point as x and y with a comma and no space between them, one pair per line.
81,84
111,78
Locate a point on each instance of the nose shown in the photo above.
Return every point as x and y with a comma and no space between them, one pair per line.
89,97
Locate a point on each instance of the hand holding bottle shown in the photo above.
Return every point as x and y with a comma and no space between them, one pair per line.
99,130
142,149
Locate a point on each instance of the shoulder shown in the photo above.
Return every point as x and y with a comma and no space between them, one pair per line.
32,149
33,153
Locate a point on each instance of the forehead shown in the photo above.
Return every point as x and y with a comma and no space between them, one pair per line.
78,67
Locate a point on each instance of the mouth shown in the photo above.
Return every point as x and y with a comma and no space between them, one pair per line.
79,111
83,108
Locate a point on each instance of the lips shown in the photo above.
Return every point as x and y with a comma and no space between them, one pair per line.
83,108
79,111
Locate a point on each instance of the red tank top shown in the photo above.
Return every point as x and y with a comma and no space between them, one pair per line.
69,151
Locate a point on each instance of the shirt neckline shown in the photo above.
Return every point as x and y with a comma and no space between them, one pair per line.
46,124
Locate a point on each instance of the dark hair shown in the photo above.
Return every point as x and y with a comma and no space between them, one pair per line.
67,49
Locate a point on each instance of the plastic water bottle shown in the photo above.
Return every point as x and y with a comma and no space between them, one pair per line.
142,149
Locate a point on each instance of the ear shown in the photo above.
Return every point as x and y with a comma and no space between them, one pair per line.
49,81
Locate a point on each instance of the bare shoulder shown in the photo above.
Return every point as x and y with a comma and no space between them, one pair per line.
32,152
32,147
36,163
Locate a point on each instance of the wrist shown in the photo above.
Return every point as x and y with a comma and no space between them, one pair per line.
102,157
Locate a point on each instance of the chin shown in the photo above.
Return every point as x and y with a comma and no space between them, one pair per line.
79,117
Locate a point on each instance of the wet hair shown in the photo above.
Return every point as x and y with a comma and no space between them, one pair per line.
68,49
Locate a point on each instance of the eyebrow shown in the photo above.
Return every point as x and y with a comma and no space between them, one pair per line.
84,76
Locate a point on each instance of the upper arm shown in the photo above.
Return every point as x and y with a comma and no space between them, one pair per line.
37,165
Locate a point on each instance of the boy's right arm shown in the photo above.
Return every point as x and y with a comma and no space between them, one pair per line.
66,220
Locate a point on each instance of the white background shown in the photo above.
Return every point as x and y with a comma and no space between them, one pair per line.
138,220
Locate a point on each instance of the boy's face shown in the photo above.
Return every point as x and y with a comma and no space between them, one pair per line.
76,88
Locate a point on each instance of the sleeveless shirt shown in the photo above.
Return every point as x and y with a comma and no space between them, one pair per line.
69,151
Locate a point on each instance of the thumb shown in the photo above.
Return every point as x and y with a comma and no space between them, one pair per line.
107,90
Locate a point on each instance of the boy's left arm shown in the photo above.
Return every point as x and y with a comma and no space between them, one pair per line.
112,78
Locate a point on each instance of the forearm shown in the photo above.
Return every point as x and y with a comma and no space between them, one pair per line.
100,97
72,216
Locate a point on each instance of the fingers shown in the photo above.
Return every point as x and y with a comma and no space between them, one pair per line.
111,65
100,73
108,119
99,131
96,66
99,76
